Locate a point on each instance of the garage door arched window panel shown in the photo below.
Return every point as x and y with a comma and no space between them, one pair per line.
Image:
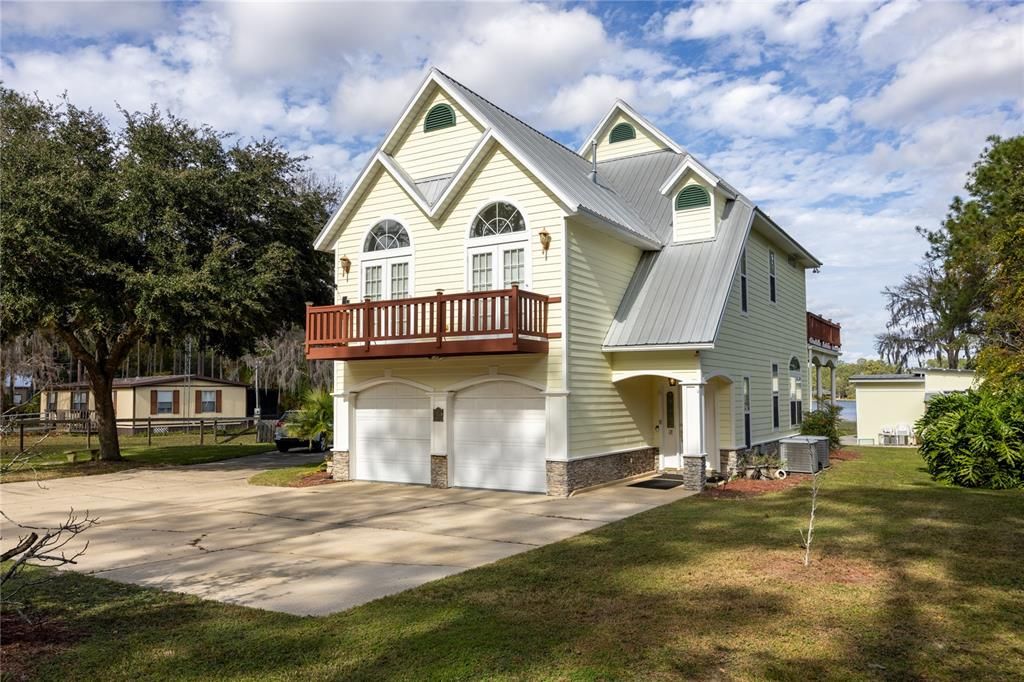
497,250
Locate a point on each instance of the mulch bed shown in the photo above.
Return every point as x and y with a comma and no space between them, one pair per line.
744,487
315,478
844,455
25,643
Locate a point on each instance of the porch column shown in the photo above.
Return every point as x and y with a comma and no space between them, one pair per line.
440,416
340,456
694,454
832,384
817,386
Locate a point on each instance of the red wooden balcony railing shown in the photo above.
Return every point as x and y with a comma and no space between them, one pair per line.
479,322
823,333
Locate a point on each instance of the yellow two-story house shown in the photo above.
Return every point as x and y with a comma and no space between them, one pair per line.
513,314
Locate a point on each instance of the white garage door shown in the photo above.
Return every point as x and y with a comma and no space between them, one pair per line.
499,437
393,434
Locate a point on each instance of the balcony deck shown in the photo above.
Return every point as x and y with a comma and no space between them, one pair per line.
823,333
474,323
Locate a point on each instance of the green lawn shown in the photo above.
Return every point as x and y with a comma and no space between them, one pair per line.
57,466
288,476
53,448
912,580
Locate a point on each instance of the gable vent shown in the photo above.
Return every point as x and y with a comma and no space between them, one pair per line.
692,196
621,133
440,116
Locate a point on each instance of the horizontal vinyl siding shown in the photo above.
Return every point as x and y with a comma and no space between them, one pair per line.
747,345
439,152
643,143
439,251
694,224
599,270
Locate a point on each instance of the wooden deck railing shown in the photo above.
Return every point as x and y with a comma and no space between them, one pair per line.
822,332
503,321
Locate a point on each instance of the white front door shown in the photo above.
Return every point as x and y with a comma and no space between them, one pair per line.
670,428
499,437
392,434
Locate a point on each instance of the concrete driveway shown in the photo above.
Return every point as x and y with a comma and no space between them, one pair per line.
307,551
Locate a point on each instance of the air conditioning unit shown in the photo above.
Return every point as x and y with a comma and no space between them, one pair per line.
804,454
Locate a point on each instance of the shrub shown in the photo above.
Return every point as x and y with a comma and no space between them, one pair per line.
824,421
976,438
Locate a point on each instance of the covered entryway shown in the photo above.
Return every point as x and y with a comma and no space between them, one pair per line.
499,437
392,434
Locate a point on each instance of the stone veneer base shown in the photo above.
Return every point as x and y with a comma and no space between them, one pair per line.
569,476
694,472
438,471
339,466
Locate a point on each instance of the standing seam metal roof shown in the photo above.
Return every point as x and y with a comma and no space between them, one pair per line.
677,295
564,166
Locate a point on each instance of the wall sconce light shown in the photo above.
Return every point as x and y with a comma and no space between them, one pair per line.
545,240
346,265
672,382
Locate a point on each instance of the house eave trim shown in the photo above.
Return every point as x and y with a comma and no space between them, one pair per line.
661,346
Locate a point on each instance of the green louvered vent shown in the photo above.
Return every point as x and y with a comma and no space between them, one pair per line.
693,196
621,133
439,116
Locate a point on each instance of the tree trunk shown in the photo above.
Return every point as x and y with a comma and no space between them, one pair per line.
106,421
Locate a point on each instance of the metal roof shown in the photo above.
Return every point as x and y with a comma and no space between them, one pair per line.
888,377
130,382
637,179
677,295
564,167
431,188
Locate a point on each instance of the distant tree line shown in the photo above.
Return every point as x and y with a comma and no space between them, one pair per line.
964,306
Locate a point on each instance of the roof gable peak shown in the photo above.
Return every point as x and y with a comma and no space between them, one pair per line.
621,105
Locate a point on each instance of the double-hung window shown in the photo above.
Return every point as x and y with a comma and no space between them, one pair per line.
746,411
208,401
165,402
775,395
743,281
387,274
79,401
771,276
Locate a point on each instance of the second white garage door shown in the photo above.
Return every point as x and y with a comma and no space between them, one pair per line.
393,434
499,437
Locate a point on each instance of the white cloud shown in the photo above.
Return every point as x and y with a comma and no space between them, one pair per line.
981,63
83,19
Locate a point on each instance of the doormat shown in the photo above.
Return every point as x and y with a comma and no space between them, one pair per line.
658,483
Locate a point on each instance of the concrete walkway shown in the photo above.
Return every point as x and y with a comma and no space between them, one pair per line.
307,551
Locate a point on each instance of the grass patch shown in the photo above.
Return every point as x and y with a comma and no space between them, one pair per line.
289,477
911,580
134,457
847,428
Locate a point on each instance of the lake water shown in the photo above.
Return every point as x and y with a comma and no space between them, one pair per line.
847,410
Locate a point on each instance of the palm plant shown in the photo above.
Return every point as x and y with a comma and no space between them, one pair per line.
316,416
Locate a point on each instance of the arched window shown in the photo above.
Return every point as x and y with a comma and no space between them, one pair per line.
621,133
386,267
796,393
498,218
440,116
498,254
692,196
386,235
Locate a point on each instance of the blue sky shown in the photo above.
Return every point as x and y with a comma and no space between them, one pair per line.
850,123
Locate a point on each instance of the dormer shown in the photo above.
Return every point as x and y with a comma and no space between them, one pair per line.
624,132
437,138
698,197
